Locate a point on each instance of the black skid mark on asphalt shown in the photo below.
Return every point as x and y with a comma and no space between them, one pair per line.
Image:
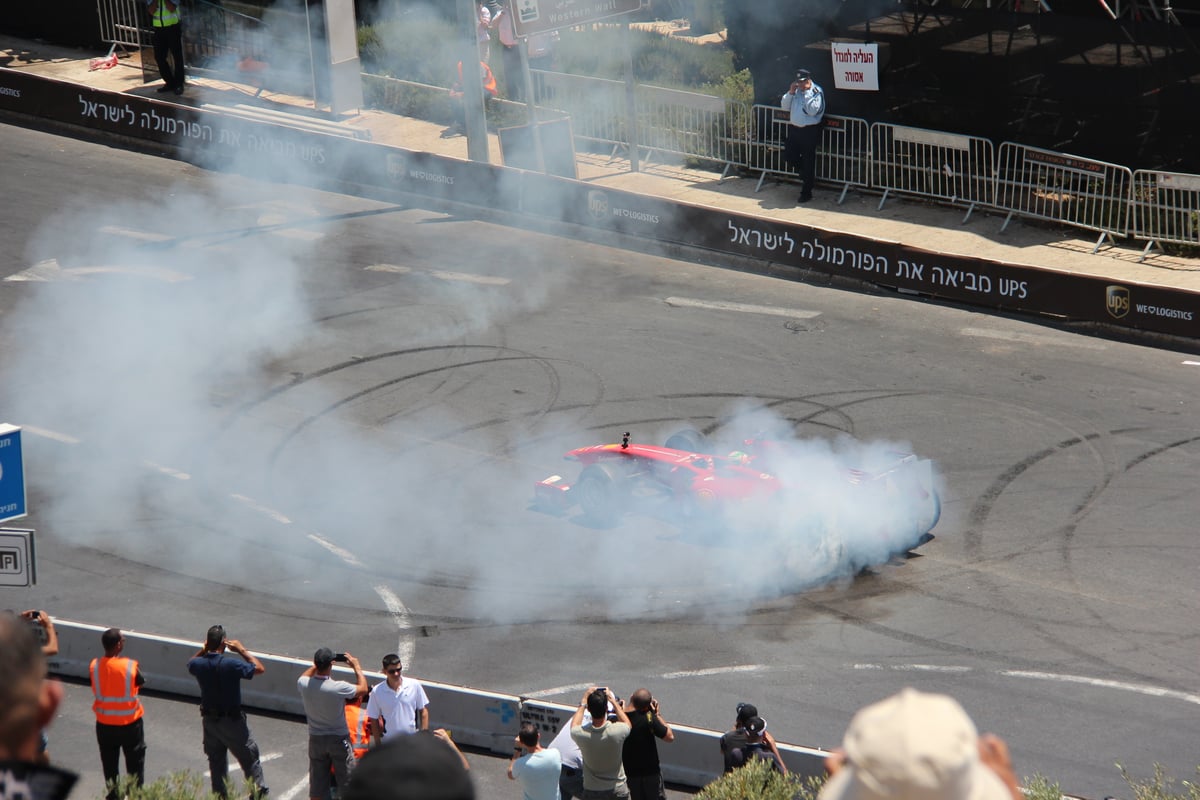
805,325
837,410
981,510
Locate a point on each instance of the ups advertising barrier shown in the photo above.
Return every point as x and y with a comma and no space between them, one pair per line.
312,158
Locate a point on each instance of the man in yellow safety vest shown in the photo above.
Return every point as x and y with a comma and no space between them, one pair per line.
168,39
115,684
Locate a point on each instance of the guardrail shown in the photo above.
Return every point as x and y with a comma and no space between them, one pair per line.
1164,207
482,719
842,155
1077,191
122,22
950,167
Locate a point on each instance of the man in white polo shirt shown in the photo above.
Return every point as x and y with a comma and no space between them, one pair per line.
398,706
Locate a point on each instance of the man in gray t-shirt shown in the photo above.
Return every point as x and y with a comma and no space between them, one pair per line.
325,706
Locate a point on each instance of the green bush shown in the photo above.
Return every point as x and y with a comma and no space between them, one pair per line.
1042,788
758,780
1161,786
421,48
182,786
657,59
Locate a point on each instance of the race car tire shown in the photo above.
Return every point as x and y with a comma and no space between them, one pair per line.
600,489
689,440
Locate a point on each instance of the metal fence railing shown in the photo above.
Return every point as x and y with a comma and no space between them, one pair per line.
1152,206
842,154
596,106
1080,192
949,167
124,23
689,124
1164,207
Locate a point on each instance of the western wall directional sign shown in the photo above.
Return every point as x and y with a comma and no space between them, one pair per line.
12,474
539,16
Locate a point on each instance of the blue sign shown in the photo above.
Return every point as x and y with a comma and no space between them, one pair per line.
12,474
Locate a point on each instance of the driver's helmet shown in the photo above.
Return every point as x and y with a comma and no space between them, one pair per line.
739,457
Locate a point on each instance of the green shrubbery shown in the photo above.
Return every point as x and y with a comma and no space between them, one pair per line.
759,781
423,48
182,786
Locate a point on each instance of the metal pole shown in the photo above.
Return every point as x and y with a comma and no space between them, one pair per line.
312,59
474,117
630,101
530,108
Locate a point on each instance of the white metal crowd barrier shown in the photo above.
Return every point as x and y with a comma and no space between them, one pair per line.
596,105
842,154
487,720
121,22
950,167
1165,207
1077,191
669,121
688,123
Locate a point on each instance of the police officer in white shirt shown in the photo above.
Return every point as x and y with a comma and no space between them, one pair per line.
805,101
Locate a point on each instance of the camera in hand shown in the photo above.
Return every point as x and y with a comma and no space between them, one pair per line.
341,657
35,625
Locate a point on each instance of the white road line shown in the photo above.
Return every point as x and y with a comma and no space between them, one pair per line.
462,277
261,759
174,473
721,305
693,673
1032,338
344,555
270,512
570,687
293,792
47,434
304,234
1099,683
1139,688
130,233
1191,363
405,646
50,270
47,270
465,277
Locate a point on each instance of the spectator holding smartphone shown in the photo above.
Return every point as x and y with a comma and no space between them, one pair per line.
43,628
329,747
224,722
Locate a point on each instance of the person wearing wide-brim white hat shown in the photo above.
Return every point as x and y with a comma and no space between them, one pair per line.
918,746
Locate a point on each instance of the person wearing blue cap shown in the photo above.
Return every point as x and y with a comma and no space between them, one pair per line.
805,103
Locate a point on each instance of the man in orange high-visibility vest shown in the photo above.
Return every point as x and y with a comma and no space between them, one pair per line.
115,684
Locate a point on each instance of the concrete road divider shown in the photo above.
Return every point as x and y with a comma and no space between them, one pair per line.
476,718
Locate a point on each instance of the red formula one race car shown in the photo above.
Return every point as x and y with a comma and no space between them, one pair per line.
772,483
618,477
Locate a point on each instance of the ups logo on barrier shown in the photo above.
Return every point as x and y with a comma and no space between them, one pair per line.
1116,301
597,204
397,166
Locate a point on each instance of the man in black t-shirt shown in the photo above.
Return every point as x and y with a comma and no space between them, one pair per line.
640,753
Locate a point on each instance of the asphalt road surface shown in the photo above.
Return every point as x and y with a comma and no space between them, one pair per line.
317,420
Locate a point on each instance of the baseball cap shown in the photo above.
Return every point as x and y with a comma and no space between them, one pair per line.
745,711
913,746
323,658
755,725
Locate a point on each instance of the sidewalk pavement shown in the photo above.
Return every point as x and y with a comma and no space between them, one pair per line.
920,224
